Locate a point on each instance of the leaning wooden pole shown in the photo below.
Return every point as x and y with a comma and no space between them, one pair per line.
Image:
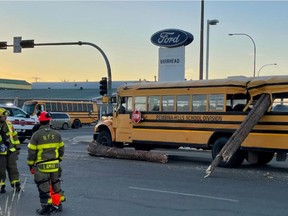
97,149
241,133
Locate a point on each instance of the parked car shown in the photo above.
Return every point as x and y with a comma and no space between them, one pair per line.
60,120
22,121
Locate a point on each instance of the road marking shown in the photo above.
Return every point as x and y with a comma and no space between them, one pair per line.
185,194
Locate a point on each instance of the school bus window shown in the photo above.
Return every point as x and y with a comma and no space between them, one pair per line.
216,102
128,101
48,107
84,107
59,106
64,106
53,106
140,103
199,103
280,105
74,107
90,107
69,107
121,104
182,103
153,103
168,103
79,107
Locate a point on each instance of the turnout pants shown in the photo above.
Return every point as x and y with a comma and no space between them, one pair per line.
43,181
9,162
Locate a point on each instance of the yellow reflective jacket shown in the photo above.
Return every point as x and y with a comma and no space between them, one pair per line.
45,149
8,138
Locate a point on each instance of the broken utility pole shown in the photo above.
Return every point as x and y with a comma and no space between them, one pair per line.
241,133
97,149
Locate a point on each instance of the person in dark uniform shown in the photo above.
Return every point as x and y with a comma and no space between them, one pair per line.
45,152
9,150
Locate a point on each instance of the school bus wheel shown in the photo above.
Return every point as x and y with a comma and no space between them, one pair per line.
235,161
260,158
104,138
77,124
264,157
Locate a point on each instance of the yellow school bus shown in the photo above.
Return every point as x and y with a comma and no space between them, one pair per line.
80,112
201,114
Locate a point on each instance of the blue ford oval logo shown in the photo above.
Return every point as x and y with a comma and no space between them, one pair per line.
171,38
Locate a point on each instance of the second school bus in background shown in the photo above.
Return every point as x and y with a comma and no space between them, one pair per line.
80,112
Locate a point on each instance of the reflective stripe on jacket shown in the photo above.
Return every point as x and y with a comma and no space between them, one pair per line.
45,149
12,141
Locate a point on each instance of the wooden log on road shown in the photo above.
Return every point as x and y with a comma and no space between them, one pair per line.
96,149
241,133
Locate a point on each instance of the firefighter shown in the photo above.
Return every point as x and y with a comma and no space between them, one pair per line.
45,152
9,150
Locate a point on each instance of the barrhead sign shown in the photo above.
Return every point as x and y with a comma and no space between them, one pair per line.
171,38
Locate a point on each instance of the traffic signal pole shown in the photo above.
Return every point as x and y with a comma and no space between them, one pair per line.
31,44
109,76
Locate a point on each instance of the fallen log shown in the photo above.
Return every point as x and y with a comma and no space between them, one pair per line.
96,149
241,133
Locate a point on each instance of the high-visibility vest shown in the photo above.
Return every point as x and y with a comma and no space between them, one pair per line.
13,138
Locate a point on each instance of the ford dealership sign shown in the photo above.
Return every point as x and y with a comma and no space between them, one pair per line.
171,38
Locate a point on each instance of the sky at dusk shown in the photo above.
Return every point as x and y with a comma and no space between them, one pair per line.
122,29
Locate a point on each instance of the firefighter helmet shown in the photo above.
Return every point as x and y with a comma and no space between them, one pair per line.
3,112
44,116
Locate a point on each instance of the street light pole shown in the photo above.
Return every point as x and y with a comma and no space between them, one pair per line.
209,22
253,45
265,66
201,41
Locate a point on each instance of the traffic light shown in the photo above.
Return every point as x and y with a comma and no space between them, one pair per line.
3,45
103,86
16,45
27,43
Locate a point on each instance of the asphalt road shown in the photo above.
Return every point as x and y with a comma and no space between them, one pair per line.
115,187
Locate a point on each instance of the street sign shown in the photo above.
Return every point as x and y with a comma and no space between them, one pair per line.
16,45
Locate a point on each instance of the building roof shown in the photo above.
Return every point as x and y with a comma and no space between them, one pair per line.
14,84
56,91
75,85
55,94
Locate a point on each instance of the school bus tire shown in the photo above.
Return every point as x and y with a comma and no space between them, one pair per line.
76,124
235,161
104,138
264,158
